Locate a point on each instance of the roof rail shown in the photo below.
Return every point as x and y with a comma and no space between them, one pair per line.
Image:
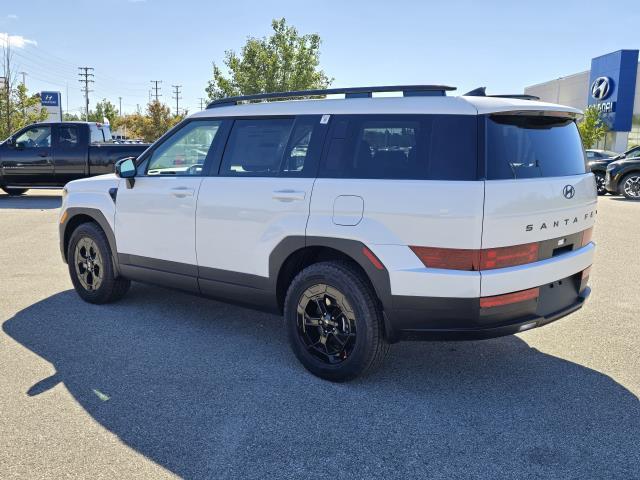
482,92
349,92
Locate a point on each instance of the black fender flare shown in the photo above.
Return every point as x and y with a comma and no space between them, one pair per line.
98,217
354,249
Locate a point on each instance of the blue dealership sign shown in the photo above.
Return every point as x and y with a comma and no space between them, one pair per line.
50,99
612,86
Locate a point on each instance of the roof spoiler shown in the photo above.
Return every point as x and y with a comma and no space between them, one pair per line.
350,92
482,92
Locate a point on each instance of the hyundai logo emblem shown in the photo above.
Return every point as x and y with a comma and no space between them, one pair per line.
568,191
600,88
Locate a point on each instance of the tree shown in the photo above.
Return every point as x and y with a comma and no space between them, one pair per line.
70,117
21,108
592,128
104,109
281,62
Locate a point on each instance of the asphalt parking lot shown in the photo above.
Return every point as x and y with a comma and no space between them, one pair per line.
164,384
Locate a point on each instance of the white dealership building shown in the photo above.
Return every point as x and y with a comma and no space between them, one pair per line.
618,73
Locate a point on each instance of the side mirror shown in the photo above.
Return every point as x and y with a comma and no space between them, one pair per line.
20,145
9,142
126,168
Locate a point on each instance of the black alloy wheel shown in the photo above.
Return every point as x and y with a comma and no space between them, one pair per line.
91,266
334,321
326,323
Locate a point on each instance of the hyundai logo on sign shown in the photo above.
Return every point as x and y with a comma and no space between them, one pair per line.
49,99
600,88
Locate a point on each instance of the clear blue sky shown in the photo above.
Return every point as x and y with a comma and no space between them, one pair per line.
504,45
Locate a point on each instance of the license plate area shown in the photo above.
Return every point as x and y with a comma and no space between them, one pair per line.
558,295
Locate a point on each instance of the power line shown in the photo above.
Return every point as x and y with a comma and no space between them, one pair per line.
177,97
156,88
86,77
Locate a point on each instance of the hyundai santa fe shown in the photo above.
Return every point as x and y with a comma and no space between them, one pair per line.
363,220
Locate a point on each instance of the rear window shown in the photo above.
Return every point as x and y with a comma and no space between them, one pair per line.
434,147
521,146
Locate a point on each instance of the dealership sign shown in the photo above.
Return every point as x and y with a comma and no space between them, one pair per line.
50,99
52,102
612,87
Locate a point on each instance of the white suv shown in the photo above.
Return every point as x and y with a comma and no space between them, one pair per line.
365,220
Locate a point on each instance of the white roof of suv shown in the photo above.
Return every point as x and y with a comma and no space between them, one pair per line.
460,105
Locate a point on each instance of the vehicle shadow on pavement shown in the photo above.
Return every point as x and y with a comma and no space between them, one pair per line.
211,390
30,202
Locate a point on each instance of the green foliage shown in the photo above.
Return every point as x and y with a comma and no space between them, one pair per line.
149,126
283,61
70,117
21,110
104,109
592,128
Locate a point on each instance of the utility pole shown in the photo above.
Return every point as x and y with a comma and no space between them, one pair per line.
120,107
201,103
177,97
86,78
156,88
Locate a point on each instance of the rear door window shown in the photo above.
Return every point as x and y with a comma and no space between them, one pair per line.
256,147
67,136
437,147
527,146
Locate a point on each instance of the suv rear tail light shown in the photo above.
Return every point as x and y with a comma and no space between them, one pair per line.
586,236
448,258
508,256
509,298
474,260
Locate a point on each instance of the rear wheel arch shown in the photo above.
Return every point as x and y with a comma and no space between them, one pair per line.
295,253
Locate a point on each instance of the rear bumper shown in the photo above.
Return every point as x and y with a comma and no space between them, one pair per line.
422,318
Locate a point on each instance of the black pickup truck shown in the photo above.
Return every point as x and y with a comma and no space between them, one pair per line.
52,154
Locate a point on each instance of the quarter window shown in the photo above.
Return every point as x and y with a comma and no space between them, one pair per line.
184,153
256,148
438,147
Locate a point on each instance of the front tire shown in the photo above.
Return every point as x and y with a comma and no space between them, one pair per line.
14,192
334,322
630,186
91,266
600,182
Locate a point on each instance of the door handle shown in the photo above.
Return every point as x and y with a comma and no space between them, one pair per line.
181,192
43,154
288,195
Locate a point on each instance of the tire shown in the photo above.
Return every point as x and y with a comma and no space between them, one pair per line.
600,182
630,186
338,305
14,192
91,266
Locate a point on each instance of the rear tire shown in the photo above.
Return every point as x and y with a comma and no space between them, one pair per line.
600,182
630,186
91,266
334,322
14,192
